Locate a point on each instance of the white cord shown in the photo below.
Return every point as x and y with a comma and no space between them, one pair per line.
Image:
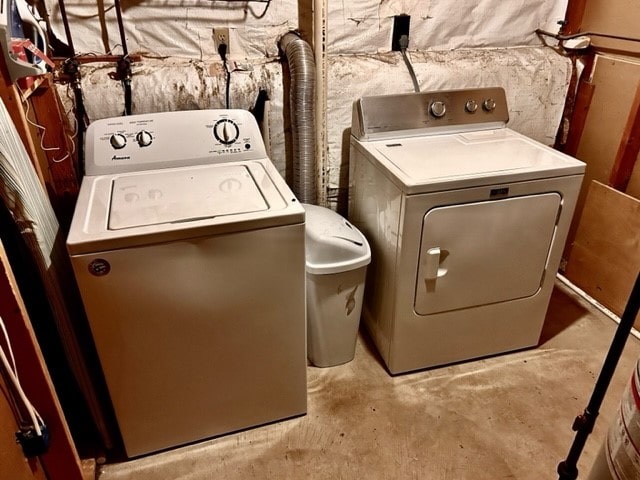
44,131
6,339
12,373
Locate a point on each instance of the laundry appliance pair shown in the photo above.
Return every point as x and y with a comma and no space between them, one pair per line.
188,249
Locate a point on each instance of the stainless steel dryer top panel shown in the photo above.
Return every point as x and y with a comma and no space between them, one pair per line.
468,145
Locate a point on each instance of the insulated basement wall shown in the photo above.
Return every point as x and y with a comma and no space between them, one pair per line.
453,44
535,81
182,28
176,84
365,26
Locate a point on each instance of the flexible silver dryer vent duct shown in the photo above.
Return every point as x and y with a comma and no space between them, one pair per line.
301,98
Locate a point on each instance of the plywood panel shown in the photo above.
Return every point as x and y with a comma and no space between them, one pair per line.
605,258
573,19
616,17
629,147
615,81
633,188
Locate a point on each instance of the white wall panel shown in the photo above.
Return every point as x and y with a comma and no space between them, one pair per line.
365,26
182,28
177,28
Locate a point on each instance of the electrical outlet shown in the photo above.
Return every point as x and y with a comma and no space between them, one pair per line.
400,27
221,36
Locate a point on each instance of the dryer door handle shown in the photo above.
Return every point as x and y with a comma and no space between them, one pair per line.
432,263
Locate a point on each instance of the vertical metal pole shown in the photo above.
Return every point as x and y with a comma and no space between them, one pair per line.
65,22
124,65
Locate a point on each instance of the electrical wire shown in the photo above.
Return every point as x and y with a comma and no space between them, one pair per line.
227,82
6,338
111,7
12,374
404,43
246,2
80,125
72,68
93,15
264,12
42,129
222,51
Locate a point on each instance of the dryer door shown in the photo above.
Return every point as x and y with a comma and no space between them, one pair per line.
486,252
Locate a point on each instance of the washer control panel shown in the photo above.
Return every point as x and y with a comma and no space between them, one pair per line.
171,139
422,113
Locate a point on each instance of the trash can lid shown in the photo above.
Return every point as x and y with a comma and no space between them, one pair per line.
333,245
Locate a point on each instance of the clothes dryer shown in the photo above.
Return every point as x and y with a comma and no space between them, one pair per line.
188,249
467,220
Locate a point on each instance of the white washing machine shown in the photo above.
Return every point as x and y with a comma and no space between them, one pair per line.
188,249
467,221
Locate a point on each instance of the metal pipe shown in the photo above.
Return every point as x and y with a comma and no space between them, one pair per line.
559,37
123,36
124,65
65,22
302,104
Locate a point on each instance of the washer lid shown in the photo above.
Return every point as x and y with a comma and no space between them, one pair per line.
171,196
468,158
139,208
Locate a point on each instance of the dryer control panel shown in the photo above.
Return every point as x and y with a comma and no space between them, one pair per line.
171,139
429,113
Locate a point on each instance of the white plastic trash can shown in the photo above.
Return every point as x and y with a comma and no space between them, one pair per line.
337,255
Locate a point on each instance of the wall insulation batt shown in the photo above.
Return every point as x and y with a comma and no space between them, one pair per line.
453,44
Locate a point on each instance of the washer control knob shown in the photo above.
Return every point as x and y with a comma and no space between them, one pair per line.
471,106
489,104
438,109
144,138
226,131
118,141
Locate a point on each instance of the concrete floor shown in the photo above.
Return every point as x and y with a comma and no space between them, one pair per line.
504,417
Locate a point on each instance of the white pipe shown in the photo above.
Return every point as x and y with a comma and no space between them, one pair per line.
320,10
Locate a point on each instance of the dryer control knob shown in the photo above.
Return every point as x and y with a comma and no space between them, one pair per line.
471,106
118,141
489,104
438,109
144,138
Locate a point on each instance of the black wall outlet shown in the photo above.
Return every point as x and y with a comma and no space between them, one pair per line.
400,27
